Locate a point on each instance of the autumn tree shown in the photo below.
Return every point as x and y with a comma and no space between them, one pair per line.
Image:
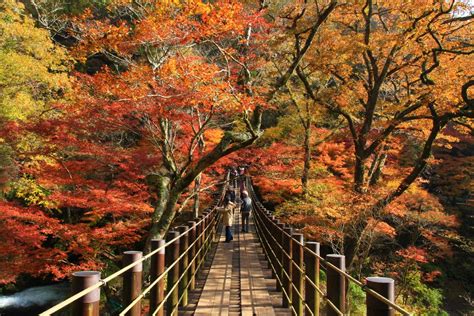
33,69
197,74
162,92
294,21
389,68
33,76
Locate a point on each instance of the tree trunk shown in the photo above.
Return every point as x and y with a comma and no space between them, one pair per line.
161,224
307,160
374,178
373,165
359,171
352,238
161,184
197,186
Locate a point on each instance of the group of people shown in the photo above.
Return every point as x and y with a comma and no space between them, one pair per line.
237,176
231,204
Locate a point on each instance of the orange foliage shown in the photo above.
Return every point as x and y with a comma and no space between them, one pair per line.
415,254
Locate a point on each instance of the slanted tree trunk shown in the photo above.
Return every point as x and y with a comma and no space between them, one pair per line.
197,182
170,188
197,187
352,239
159,228
377,172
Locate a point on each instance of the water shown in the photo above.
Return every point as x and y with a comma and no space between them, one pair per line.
33,300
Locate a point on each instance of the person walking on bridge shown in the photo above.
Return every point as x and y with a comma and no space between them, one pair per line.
227,212
245,209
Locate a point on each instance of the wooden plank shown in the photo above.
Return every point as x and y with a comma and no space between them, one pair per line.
255,299
215,297
255,288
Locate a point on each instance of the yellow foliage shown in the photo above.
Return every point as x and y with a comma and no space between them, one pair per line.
31,192
32,68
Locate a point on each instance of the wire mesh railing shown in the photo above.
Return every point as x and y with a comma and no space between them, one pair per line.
174,264
296,265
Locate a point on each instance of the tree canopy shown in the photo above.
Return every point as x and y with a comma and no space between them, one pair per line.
356,118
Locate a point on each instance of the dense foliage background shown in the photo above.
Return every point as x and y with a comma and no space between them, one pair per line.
354,116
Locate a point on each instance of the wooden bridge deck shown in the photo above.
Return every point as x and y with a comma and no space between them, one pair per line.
239,282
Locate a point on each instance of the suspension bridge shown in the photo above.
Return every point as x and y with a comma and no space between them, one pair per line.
271,270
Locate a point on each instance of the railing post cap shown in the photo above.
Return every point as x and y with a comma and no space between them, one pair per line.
313,245
337,260
380,280
87,274
172,234
298,236
132,252
335,256
84,279
158,243
131,256
182,228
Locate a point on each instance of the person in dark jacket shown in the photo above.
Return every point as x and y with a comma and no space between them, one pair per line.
245,209
234,174
230,194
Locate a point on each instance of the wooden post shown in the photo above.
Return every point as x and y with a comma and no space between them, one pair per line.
172,255
214,222
336,284
183,265
279,267
88,305
205,224
132,281
273,245
157,268
192,254
312,272
287,266
297,275
199,244
386,288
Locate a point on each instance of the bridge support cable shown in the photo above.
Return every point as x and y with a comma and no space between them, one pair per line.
296,266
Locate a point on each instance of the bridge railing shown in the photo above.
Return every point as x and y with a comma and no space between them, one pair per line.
296,265
174,264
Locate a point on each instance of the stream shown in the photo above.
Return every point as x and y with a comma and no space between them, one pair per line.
34,300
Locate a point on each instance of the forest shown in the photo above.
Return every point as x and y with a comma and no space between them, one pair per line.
354,117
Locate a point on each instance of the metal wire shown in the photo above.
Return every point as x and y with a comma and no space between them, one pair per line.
102,282
292,285
144,292
260,213
262,220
